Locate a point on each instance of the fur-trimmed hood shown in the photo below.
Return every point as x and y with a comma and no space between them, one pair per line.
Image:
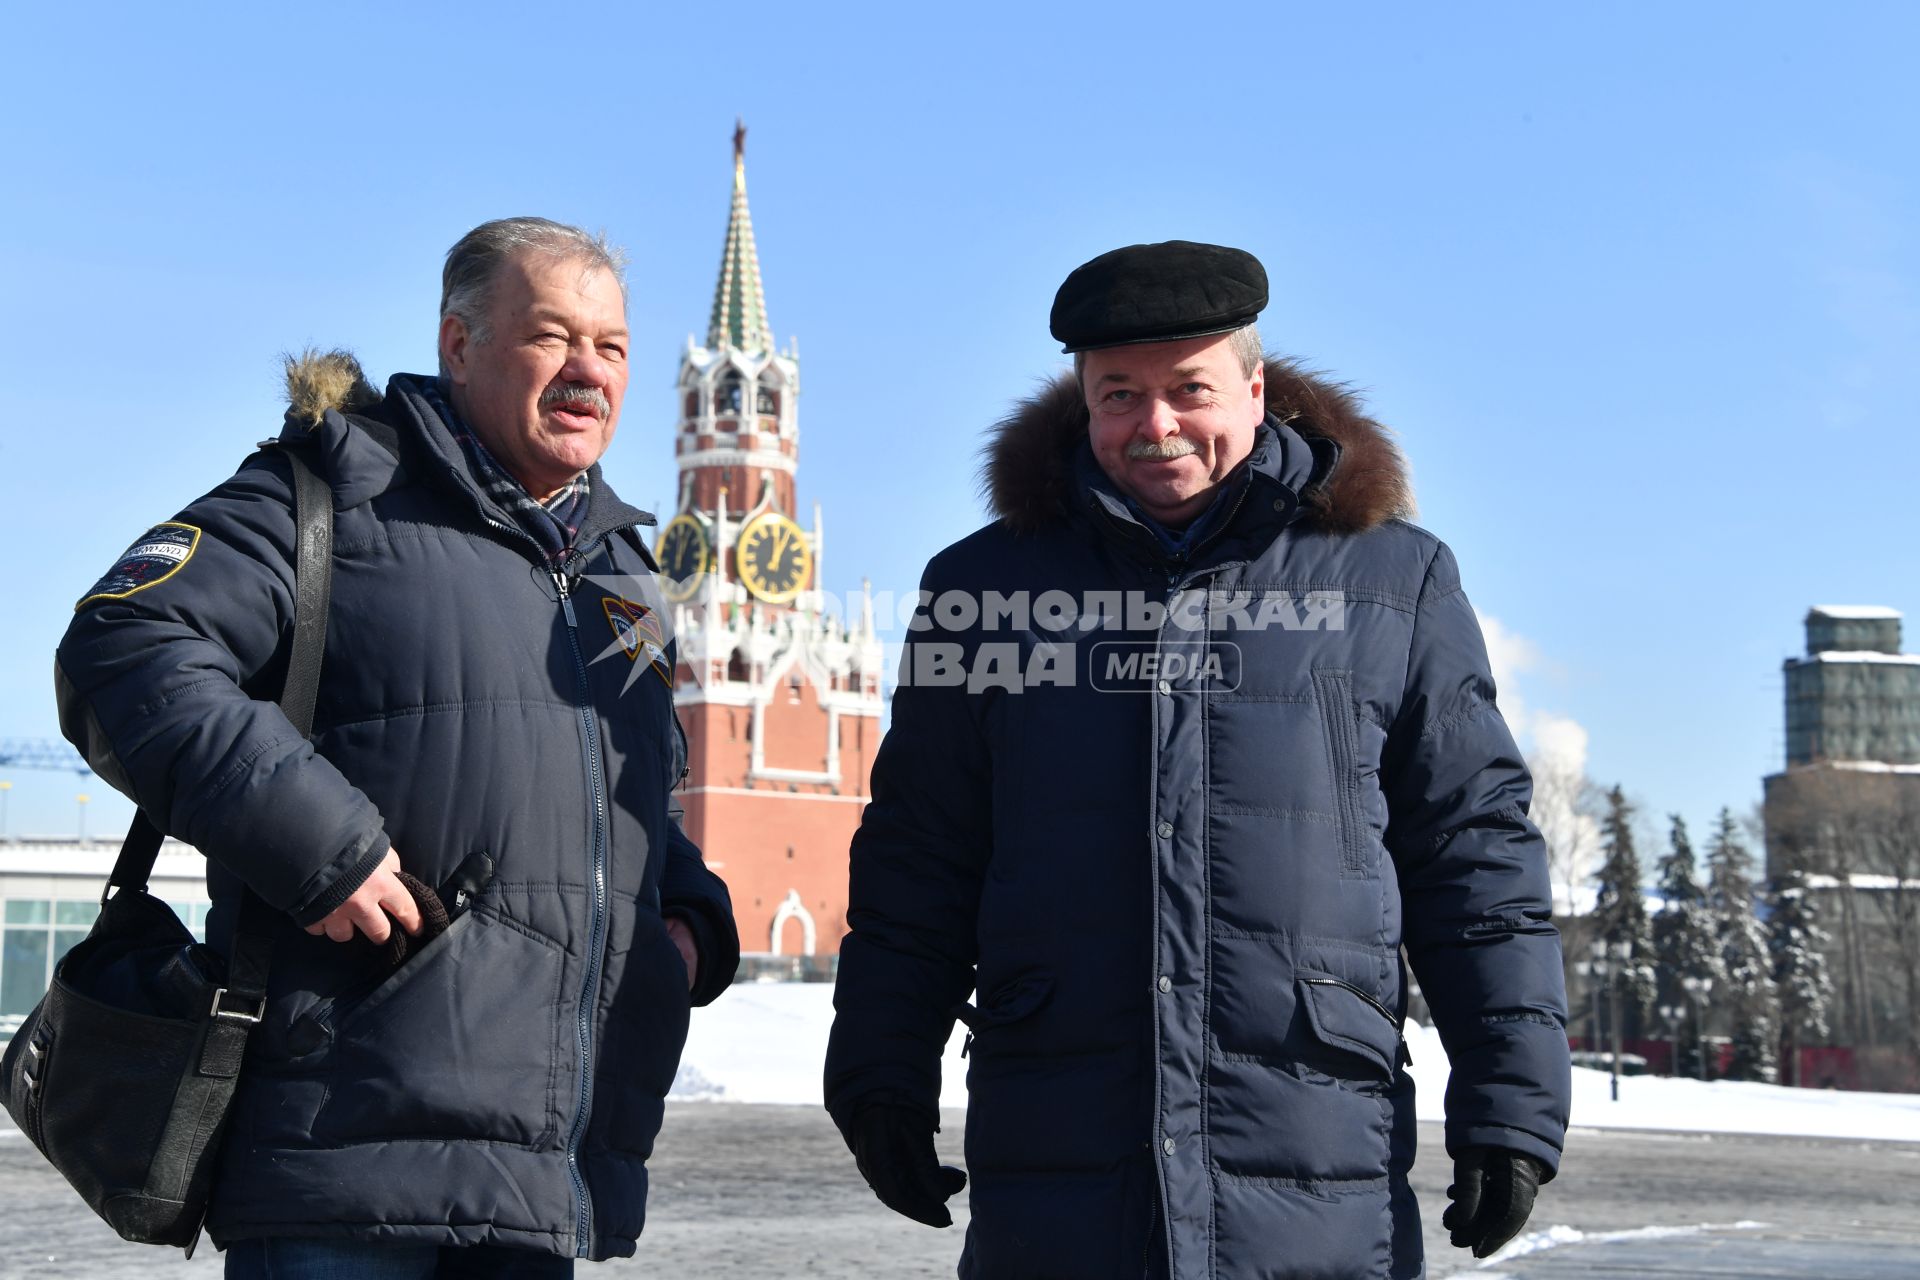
321,380
1028,467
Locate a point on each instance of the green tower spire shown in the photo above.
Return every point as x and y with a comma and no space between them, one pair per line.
739,306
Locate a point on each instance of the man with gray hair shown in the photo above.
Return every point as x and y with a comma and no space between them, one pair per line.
490,925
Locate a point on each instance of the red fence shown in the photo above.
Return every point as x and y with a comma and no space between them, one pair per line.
1821,1066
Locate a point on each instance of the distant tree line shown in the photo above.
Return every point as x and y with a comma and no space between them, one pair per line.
1723,955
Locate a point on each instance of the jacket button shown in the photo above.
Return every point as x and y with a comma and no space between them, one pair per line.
1280,505
1165,687
1167,1146
1166,985
1166,830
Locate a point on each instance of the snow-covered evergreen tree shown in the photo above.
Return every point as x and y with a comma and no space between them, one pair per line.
1752,1001
1798,945
1686,942
1620,916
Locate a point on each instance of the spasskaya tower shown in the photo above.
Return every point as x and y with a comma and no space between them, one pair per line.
780,698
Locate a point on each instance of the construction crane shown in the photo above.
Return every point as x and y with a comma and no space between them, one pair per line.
41,753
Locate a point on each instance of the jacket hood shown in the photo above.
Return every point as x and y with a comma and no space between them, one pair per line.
321,380
1027,471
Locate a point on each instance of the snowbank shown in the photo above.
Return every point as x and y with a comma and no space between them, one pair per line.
765,1042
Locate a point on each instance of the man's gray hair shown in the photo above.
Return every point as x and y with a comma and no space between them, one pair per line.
473,264
1245,344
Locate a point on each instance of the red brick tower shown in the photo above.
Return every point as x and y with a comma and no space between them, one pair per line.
780,699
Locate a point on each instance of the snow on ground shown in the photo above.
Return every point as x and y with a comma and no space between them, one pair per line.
765,1042
1722,1106
1556,1236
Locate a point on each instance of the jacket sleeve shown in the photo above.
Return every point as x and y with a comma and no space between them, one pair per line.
913,897
166,692
1474,884
690,891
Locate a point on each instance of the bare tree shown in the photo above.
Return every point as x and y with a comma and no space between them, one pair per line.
1568,807
1857,833
1896,893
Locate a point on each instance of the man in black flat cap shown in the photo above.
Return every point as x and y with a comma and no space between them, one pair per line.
1193,743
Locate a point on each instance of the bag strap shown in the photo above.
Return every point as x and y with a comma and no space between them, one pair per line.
312,597
313,589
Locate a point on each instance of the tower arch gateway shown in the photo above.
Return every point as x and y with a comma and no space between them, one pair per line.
781,725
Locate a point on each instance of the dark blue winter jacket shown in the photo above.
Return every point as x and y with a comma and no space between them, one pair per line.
505,1084
1178,866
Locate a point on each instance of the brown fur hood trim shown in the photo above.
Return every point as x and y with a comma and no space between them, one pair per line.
1027,472
321,380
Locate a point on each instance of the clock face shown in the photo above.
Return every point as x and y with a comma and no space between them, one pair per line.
774,558
685,555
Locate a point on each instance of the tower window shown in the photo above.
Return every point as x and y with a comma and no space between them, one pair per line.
766,400
730,394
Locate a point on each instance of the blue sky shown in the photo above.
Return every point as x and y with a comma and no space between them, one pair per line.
1638,284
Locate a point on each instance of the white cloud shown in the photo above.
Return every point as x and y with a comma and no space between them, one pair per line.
1556,749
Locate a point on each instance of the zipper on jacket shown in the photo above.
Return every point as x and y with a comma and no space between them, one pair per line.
583,1222
1153,1221
1348,986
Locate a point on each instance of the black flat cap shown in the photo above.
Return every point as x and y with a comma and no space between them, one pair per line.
1157,293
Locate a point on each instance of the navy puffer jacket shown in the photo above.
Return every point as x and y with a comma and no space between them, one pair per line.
1180,888
504,1085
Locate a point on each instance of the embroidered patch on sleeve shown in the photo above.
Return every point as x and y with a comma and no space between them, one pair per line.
160,553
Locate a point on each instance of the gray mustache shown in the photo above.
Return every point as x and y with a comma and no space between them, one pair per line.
1171,447
576,395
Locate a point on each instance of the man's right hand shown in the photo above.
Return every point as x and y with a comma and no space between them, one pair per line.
379,896
894,1148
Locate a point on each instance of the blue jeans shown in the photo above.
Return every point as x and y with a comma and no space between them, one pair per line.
363,1260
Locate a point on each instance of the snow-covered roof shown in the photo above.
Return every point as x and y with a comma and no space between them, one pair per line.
1862,655
1865,880
93,860
1861,611
1872,766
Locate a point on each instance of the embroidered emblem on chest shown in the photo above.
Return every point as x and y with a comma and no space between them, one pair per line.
637,631
160,552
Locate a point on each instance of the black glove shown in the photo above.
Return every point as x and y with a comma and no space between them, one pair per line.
893,1146
1492,1194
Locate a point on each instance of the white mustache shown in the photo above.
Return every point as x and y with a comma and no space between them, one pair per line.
1171,447
576,395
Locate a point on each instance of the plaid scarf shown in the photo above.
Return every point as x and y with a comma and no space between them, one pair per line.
553,523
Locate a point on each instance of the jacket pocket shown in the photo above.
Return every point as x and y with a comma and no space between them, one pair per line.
1333,694
1009,1002
1343,1017
461,1041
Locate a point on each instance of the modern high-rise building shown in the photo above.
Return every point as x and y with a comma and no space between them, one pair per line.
779,695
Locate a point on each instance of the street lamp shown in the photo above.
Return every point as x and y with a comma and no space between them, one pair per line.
1622,952
80,803
4,788
1698,988
1591,970
1608,962
1671,1014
